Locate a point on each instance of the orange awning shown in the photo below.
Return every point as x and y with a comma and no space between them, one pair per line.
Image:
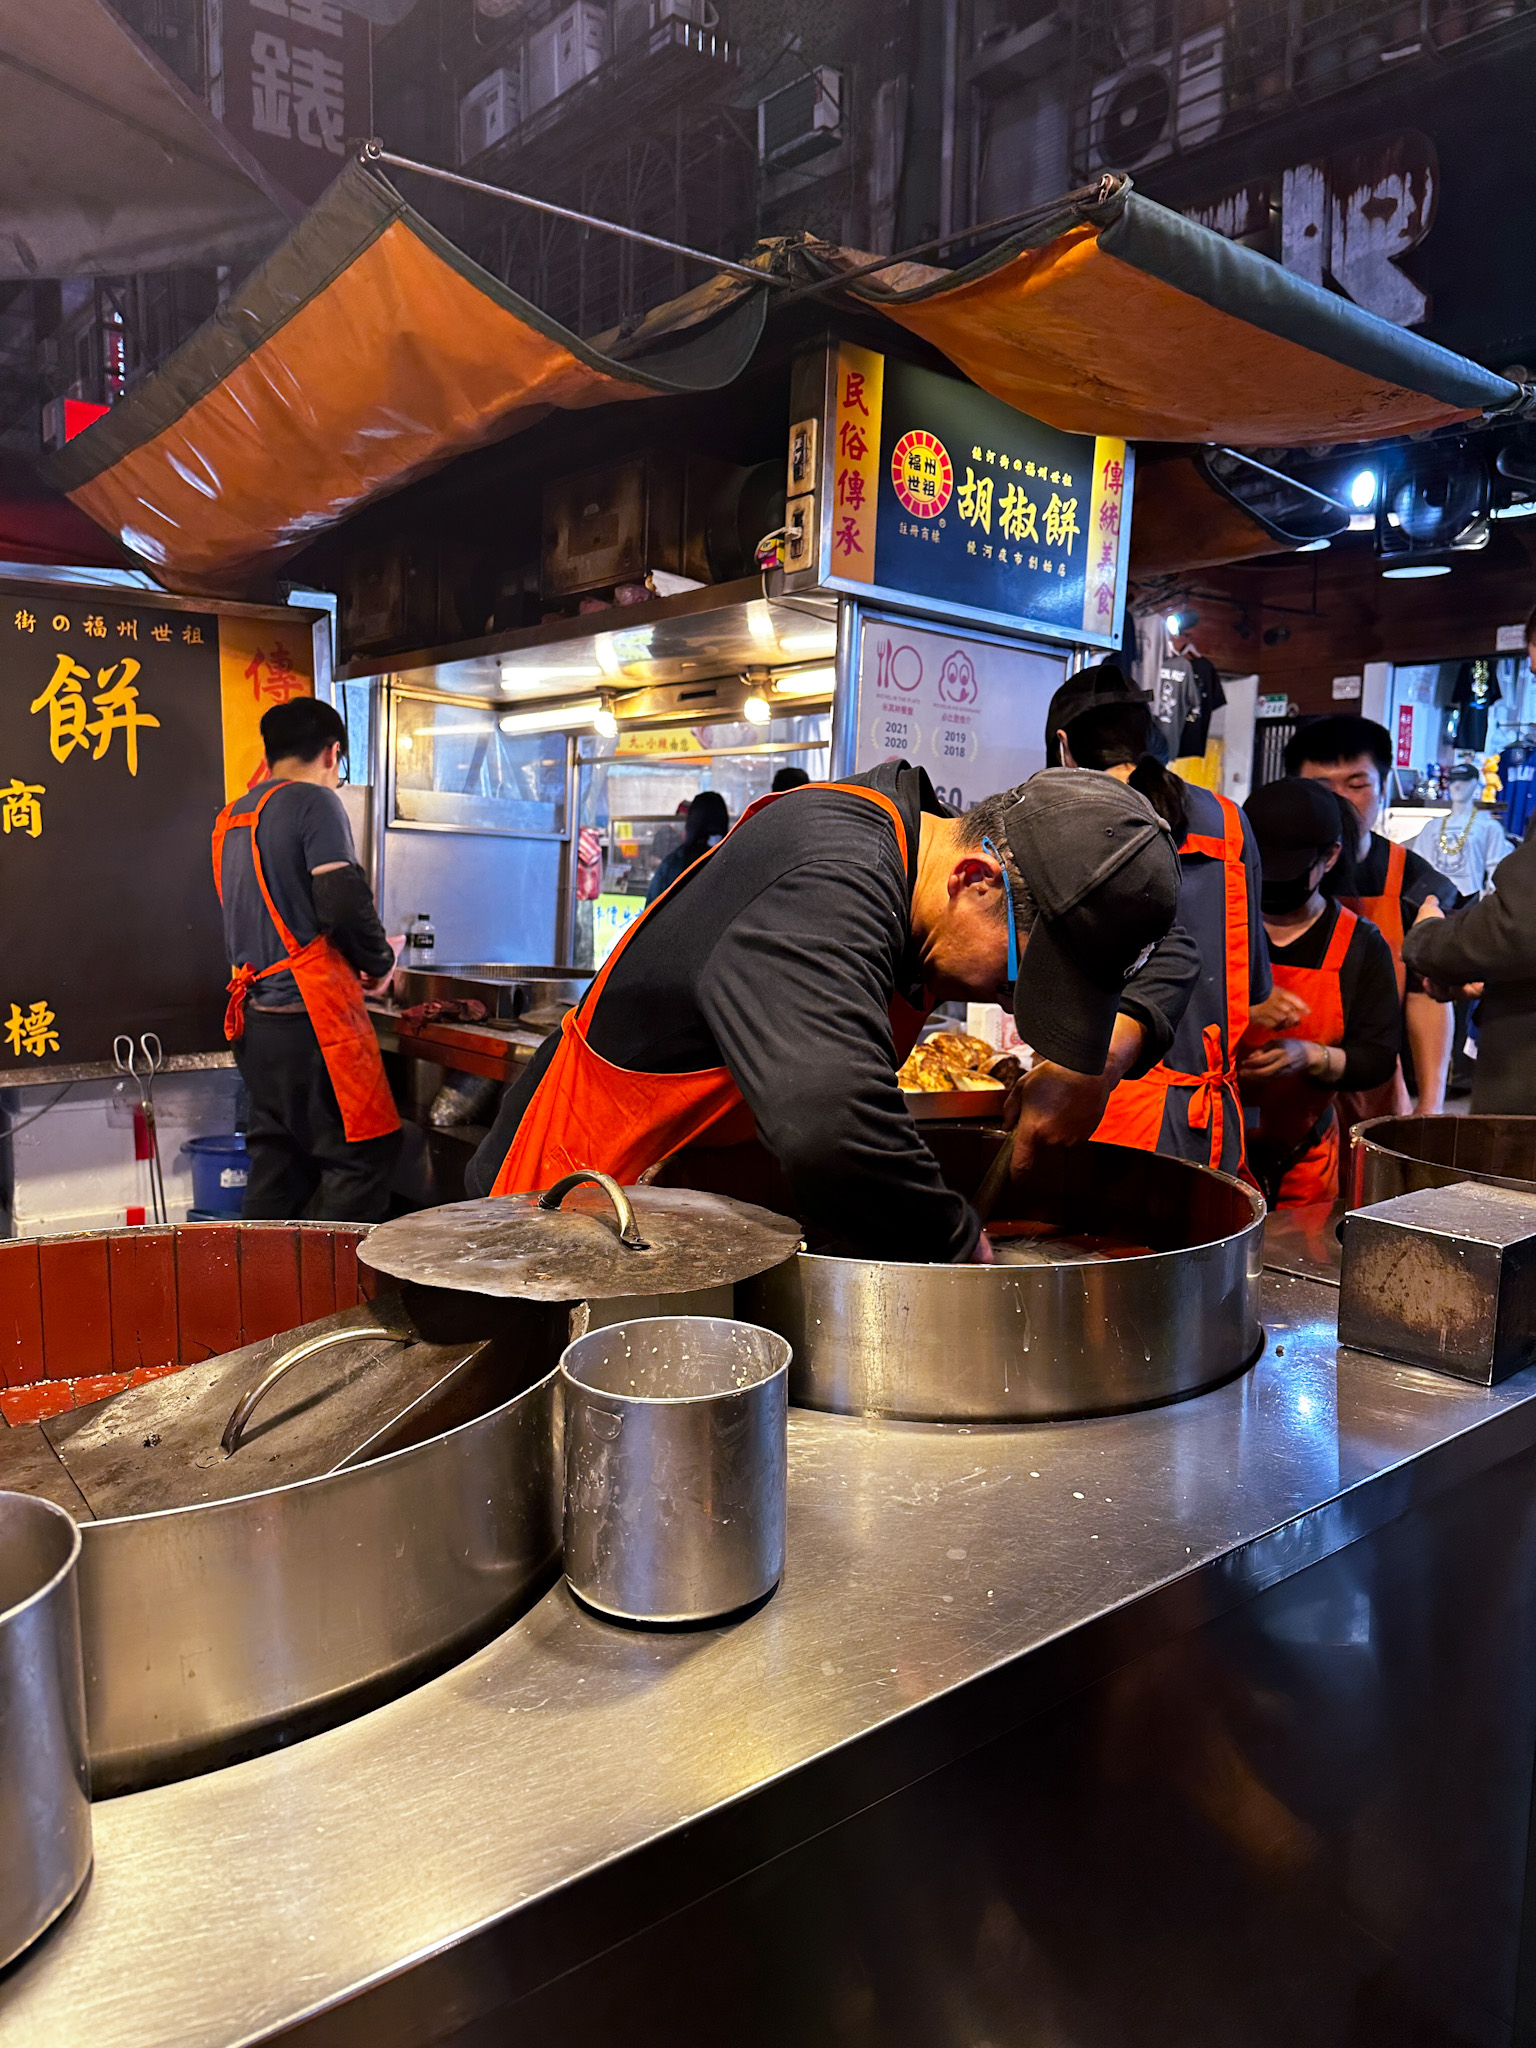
368,349
363,352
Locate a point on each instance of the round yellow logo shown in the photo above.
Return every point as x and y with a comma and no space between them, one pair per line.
922,474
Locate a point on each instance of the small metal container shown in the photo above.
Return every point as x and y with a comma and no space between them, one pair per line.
676,1458
45,1800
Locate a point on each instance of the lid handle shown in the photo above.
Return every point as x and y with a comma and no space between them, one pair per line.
629,1229
245,1407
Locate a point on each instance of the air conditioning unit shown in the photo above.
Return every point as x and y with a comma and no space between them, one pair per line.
565,52
634,21
800,121
1144,112
491,110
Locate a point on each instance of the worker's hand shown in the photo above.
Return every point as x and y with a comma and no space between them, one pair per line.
1281,1056
983,1255
1053,1106
1453,992
377,984
1280,1009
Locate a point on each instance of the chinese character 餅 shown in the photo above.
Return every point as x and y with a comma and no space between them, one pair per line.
117,710
1061,522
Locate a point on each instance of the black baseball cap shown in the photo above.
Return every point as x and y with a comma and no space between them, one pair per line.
1294,820
1103,871
1463,771
1090,688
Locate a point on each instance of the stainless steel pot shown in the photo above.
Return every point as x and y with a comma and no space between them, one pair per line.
675,1467
1398,1155
1082,1335
216,1631
45,1810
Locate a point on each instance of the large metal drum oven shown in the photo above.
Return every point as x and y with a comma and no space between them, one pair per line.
1399,1155
1142,1287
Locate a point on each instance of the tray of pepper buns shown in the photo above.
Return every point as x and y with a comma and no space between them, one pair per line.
954,1074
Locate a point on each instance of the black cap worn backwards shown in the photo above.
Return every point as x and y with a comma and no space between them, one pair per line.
1086,691
1294,820
1103,871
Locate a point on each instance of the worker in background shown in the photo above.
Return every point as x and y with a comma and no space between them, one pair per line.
1339,969
1186,1105
777,987
789,778
1488,950
305,941
1393,887
706,825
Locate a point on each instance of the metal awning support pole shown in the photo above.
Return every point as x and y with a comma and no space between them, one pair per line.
375,153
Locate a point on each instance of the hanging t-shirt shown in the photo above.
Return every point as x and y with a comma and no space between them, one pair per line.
1517,772
1474,693
1175,700
1211,697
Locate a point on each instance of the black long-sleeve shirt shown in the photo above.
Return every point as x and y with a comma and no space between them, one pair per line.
778,959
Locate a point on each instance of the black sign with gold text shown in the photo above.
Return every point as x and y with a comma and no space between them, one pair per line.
111,774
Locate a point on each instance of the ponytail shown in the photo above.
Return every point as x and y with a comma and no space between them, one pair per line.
1113,735
1164,792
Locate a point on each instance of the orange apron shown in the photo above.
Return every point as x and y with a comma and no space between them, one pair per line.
588,1112
1386,913
1135,1112
1291,1107
332,995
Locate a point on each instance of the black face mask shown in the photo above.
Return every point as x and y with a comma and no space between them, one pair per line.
1277,898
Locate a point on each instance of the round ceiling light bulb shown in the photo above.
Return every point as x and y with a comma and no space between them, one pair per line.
756,710
604,722
1362,490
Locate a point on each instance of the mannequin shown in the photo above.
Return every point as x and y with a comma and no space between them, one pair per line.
1467,846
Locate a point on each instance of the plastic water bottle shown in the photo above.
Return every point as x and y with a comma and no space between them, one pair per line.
420,939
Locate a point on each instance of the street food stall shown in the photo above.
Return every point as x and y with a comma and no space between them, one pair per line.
1144,1662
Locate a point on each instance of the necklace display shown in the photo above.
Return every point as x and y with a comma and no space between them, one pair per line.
1450,849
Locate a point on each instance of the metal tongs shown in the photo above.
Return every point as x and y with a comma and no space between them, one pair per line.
141,1063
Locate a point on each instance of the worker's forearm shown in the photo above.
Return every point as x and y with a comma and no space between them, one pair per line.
1431,1026
344,910
1125,1047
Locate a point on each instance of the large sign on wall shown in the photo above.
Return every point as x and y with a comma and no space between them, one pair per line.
968,709
936,492
125,725
295,86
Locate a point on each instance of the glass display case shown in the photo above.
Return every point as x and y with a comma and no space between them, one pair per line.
634,790
455,770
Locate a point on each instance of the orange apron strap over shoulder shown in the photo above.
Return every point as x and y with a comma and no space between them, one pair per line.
331,993
1290,1107
1386,911
588,1112
1134,1115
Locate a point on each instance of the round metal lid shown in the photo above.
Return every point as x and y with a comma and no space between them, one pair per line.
580,1242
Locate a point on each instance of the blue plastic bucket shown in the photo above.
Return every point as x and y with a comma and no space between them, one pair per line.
220,1169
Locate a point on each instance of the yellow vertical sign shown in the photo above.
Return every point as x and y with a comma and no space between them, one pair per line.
262,662
855,462
1107,515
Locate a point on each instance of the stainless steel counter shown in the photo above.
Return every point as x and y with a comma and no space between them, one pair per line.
395,1879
